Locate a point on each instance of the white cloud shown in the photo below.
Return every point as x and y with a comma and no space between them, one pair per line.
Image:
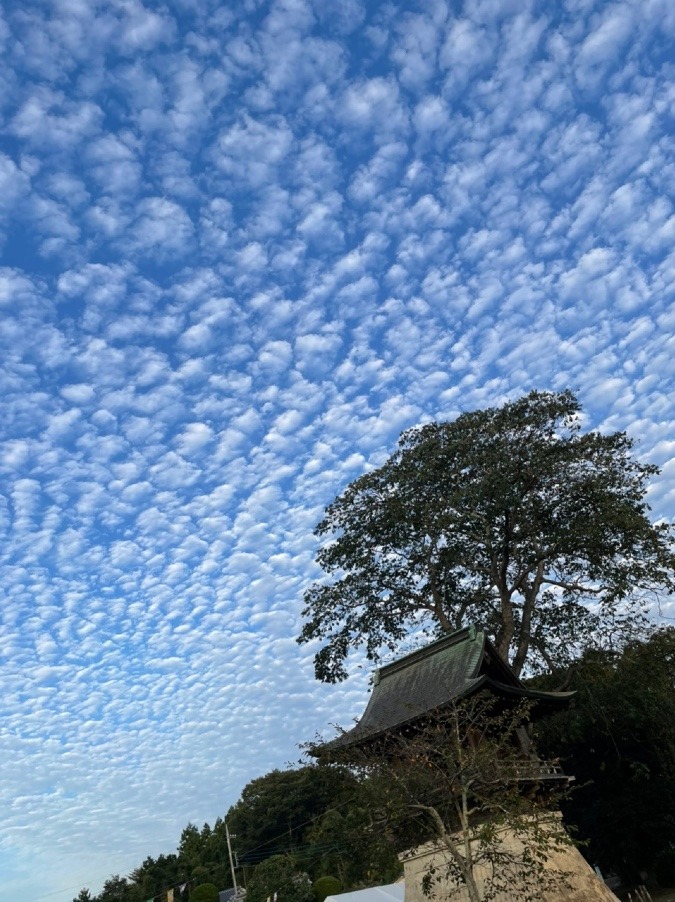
78,394
114,165
251,150
49,120
141,29
374,105
194,438
244,250
162,229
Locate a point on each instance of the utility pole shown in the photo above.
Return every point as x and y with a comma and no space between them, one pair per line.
229,849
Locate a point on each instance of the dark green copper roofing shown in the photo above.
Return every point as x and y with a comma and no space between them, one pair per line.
453,667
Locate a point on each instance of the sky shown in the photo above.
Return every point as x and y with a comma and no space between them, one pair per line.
242,247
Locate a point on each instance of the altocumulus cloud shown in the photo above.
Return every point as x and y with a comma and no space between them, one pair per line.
241,251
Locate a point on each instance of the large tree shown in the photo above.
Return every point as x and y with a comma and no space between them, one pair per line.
511,517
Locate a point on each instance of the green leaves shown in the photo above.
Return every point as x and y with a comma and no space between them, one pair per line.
276,811
620,739
207,892
280,877
509,517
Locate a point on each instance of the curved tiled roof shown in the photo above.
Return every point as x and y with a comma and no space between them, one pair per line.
453,667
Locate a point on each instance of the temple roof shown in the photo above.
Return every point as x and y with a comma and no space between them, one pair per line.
453,667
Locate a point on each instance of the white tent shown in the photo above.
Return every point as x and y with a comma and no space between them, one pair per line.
394,892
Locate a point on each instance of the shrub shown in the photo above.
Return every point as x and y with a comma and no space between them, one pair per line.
326,886
279,874
204,893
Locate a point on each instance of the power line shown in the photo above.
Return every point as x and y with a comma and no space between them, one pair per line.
298,826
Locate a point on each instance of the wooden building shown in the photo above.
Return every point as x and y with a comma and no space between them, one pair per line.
454,667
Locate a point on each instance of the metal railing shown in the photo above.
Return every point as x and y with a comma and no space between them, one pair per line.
538,770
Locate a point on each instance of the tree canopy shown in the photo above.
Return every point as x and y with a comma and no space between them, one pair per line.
619,740
279,877
276,811
511,517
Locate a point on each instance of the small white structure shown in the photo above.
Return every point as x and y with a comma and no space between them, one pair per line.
393,892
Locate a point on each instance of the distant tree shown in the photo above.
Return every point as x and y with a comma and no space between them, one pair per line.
280,875
199,852
206,892
619,740
190,846
347,842
116,889
276,811
83,896
510,517
155,875
456,780
216,855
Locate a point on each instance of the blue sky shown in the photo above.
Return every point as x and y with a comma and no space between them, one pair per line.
243,246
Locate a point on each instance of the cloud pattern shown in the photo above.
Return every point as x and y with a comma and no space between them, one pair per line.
242,248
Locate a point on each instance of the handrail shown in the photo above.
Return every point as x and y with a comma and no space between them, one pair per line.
537,770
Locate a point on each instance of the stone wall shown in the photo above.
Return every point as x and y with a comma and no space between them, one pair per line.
581,884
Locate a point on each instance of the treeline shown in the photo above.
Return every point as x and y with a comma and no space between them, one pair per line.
316,821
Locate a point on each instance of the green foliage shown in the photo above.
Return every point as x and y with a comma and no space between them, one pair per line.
619,740
116,889
348,843
207,892
154,876
202,854
326,886
275,812
280,874
510,517
314,813
190,846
